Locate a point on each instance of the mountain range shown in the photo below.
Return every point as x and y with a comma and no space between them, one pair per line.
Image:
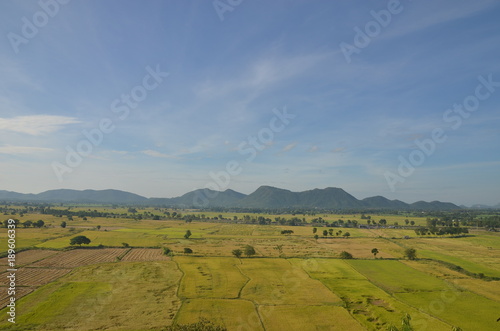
265,197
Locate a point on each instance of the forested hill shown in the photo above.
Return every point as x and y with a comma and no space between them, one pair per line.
265,197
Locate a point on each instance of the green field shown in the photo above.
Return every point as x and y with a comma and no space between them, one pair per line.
294,281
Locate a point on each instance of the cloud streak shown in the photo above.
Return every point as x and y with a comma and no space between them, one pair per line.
36,125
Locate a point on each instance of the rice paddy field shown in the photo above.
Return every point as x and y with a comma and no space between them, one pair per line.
123,280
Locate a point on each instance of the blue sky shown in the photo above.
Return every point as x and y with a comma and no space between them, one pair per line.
225,71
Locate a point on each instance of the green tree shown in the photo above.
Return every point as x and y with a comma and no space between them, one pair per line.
249,250
63,224
412,223
325,233
126,245
98,227
237,253
345,255
279,248
188,250
410,253
167,251
316,236
346,235
188,234
79,240
315,230
375,252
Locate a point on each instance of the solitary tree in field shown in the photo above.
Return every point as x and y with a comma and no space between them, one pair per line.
249,250
412,223
330,232
237,253
98,227
346,235
63,224
316,236
79,240
167,251
39,224
375,252
126,245
279,248
188,250
406,221
188,234
325,233
411,253
315,230
345,255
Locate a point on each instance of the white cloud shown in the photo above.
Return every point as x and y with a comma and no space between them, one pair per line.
153,153
36,125
289,147
19,150
313,149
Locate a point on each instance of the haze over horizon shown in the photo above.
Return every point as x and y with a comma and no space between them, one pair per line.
263,93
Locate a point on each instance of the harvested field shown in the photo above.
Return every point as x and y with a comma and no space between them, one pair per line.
34,276
20,292
81,257
144,255
27,257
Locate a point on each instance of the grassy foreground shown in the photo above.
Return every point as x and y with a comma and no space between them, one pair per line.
293,282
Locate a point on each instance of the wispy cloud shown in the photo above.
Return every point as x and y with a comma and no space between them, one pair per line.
313,149
36,125
154,153
439,15
288,148
19,150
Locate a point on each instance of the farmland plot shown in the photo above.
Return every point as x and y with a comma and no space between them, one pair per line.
27,257
306,318
80,257
233,314
210,277
128,296
370,305
34,276
394,276
467,310
145,254
277,282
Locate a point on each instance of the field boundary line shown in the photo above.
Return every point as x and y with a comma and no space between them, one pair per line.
174,320
244,285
